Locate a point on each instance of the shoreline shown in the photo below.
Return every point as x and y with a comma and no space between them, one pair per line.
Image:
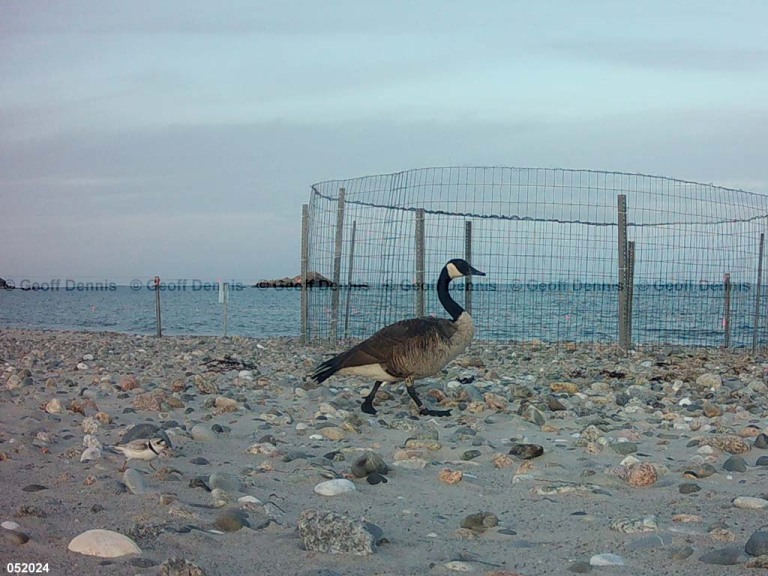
644,457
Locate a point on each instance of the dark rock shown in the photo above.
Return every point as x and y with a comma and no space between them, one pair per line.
526,451
34,488
762,461
689,488
376,478
480,521
199,461
326,531
367,463
470,454
15,537
757,545
735,464
761,441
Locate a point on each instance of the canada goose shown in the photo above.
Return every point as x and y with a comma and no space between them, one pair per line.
409,349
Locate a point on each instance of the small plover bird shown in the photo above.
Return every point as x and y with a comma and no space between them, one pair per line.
146,450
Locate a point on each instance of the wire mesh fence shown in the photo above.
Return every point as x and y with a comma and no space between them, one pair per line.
551,243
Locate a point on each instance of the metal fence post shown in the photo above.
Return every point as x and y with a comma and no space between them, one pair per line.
304,273
630,288
349,277
337,267
622,247
756,322
727,311
468,258
420,288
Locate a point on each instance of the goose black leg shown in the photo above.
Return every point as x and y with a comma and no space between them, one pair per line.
423,409
367,405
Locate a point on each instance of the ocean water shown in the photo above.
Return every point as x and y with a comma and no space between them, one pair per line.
562,313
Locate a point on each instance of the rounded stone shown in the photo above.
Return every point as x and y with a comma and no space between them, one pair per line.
335,487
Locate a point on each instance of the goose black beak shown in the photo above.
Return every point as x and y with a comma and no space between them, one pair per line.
475,272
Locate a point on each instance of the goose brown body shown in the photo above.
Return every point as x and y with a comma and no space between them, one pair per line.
409,349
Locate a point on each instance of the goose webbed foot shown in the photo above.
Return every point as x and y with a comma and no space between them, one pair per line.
423,410
367,405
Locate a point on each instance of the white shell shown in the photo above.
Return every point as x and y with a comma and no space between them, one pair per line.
8,525
335,487
606,560
104,544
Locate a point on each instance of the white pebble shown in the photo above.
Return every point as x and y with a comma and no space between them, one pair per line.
248,500
104,544
750,502
245,374
8,525
82,366
705,450
606,560
90,453
335,487
87,357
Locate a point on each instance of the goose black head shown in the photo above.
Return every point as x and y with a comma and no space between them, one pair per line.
457,268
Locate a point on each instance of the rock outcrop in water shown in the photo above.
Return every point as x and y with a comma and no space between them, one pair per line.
314,279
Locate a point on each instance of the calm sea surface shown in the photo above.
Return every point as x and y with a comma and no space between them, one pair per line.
688,317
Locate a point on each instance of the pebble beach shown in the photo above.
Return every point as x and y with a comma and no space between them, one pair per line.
557,459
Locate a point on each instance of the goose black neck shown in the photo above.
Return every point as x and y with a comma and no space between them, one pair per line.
450,305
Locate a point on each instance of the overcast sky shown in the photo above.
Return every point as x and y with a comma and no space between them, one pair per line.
181,138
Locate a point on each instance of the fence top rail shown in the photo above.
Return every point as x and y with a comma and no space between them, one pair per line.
400,173
329,190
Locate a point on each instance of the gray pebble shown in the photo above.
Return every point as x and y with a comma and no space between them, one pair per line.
681,553
232,521
15,537
134,481
580,567
624,448
724,557
225,481
762,461
761,441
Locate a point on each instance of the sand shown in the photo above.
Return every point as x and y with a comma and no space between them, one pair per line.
635,451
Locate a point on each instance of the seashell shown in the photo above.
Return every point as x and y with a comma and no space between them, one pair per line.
104,544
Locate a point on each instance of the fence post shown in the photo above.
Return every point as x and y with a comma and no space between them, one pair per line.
756,322
349,277
468,258
727,311
337,267
623,324
157,307
304,273
630,288
420,309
